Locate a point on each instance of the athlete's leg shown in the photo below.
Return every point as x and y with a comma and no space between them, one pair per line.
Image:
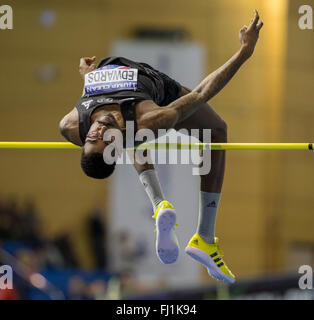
149,179
167,247
211,183
203,247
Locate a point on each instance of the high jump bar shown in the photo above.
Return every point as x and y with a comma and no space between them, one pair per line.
167,146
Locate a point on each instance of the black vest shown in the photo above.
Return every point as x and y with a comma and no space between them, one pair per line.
150,86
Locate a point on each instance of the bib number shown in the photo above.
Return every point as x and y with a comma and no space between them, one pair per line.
110,78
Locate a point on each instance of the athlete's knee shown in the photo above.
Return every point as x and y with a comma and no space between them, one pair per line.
217,133
220,132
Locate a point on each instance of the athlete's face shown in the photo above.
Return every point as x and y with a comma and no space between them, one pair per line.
94,142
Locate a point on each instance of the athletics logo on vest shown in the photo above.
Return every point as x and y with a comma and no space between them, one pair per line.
110,78
6,277
6,17
87,103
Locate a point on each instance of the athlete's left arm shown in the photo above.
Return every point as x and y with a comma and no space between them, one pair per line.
180,109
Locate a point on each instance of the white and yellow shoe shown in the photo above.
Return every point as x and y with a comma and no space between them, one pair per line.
210,256
167,247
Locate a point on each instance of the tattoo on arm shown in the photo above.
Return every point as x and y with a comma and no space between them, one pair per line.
209,87
212,84
182,108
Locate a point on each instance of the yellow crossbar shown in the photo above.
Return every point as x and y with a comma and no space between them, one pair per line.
168,146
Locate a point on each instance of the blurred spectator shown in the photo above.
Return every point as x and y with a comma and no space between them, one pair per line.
29,259
31,227
9,218
96,290
28,264
20,224
97,236
63,243
131,287
23,224
23,236
77,288
49,256
127,253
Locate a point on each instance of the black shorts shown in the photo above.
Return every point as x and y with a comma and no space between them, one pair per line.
170,89
152,84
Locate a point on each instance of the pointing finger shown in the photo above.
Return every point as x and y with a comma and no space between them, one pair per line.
255,20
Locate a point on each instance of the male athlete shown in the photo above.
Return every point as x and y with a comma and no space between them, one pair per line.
154,101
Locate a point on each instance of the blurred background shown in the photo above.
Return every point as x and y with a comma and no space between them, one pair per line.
70,237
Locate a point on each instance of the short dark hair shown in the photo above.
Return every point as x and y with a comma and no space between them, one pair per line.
94,166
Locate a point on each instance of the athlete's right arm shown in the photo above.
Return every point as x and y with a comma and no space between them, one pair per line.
182,108
69,127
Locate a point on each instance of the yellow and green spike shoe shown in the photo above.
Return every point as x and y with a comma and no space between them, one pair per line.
167,247
211,257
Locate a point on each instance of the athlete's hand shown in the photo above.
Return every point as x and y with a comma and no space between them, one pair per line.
249,35
87,65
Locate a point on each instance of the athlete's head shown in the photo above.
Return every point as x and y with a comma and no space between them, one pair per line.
94,166
92,160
